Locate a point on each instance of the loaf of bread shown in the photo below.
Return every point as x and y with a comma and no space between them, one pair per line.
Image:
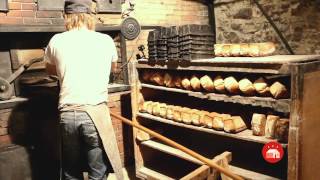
144,107
218,83
158,78
232,85
195,117
195,83
261,87
150,107
143,136
186,84
146,76
266,49
186,115
270,126
207,83
226,50
278,90
244,49
163,110
282,130
208,119
218,49
258,124
202,117
246,87
170,112
218,121
177,81
156,109
177,113
168,80
254,50
235,50
234,124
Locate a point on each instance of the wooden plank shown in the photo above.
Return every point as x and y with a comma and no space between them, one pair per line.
170,150
308,162
245,135
211,67
200,173
153,175
280,105
250,175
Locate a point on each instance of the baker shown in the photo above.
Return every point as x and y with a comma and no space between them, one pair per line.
82,59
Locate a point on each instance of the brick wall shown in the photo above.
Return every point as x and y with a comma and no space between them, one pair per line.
242,21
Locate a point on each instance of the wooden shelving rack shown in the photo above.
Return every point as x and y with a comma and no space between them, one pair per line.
303,71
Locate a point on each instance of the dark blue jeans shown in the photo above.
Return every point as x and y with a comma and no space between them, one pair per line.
81,143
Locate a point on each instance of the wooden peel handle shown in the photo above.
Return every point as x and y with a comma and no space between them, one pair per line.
180,147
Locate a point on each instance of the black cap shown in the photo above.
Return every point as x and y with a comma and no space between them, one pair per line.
77,6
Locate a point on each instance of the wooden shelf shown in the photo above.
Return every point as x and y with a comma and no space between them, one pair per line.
245,135
278,64
280,105
247,174
147,173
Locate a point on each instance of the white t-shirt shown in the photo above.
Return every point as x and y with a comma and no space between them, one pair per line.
83,63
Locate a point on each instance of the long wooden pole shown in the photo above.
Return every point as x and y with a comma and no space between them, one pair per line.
179,146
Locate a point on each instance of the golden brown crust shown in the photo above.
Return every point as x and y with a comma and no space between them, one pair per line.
271,125
266,49
278,90
246,87
177,80
258,124
195,83
207,83
219,84
261,87
232,85
186,84
282,130
158,78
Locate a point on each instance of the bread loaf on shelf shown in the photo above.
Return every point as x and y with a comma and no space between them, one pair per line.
170,112
278,90
218,121
158,78
195,117
218,83
235,50
258,124
254,50
168,80
156,109
177,113
270,126
244,49
282,130
234,124
195,83
143,136
266,49
261,86
207,83
163,110
186,115
208,119
177,80
218,49
226,50
246,87
150,107
144,107
186,84
231,84
202,117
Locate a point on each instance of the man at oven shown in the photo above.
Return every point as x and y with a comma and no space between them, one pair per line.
82,60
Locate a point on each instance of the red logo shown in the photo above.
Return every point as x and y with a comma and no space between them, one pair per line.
272,152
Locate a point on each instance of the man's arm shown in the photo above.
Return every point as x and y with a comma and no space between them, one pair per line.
114,67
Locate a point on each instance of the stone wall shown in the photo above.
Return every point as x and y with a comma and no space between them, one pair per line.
241,21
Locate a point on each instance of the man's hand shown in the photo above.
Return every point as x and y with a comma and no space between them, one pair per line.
51,69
